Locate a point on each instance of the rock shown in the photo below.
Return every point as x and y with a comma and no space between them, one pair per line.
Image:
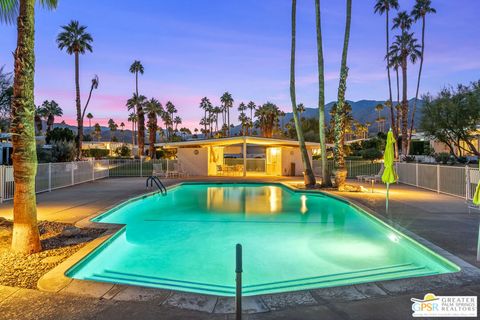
70,231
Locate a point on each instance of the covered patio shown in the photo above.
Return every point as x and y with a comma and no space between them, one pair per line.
240,156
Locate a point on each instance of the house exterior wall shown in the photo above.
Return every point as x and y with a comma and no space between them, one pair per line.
194,160
293,155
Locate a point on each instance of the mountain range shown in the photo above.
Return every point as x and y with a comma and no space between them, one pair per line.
362,111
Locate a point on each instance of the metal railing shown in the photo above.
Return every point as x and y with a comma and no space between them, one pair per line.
138,167
354,167
52,176
452,180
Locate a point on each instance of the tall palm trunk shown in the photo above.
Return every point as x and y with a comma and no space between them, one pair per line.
25,238
308,175
392,112
321,97
133,133
412,121
38,124
50,121
398,117
79,107
339,128
228,119
404,106
141,122
152,136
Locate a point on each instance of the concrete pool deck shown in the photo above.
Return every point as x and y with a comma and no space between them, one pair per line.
423,212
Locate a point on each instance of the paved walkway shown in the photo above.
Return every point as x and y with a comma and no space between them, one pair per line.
441,219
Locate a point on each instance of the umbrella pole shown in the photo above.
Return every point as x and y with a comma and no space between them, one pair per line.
386,203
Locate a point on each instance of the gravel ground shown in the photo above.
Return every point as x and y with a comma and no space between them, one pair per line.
59,241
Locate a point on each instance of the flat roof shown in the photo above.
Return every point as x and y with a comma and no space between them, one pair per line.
236,140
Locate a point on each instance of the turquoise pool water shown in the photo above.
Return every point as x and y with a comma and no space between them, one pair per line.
291,241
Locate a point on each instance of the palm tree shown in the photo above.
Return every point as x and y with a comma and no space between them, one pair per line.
113,127
301,109
267,116
39,114
227,102
51,110
381,7
251,106
395,62
137,68
243,122
309,177
132,117
216,111
90,117
93,86
170,110
341,110
321,96
378,109
206,106
368,124
75,40
98,131
176,121
153,108
25,238
402,21
136,102
405,47
122,128
420,10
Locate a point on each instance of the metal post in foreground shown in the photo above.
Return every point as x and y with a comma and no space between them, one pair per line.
238,291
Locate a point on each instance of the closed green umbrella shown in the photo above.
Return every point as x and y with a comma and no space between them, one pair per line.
389,175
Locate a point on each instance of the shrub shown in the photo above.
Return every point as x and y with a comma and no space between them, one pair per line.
123,151
408,159
96,153
442,157
44,155
462,160
371,154
63,151
60,134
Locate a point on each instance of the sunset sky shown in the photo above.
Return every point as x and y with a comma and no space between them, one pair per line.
192,49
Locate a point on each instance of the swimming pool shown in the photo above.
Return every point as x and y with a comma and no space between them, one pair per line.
291,241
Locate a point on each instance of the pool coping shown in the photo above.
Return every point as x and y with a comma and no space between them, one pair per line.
56,280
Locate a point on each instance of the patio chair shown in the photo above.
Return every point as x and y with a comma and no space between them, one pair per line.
375,178
173,173
158,170
471,206
220,171
181,171
239,169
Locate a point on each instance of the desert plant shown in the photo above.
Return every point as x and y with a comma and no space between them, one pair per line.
442,157
63,151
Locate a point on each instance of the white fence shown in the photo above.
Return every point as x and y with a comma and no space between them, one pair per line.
354,167
52,176
452,180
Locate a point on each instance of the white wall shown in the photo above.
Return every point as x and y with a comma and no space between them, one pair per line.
194,160
292,154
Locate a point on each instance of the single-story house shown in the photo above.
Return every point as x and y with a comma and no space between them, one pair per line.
243,156
107,145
